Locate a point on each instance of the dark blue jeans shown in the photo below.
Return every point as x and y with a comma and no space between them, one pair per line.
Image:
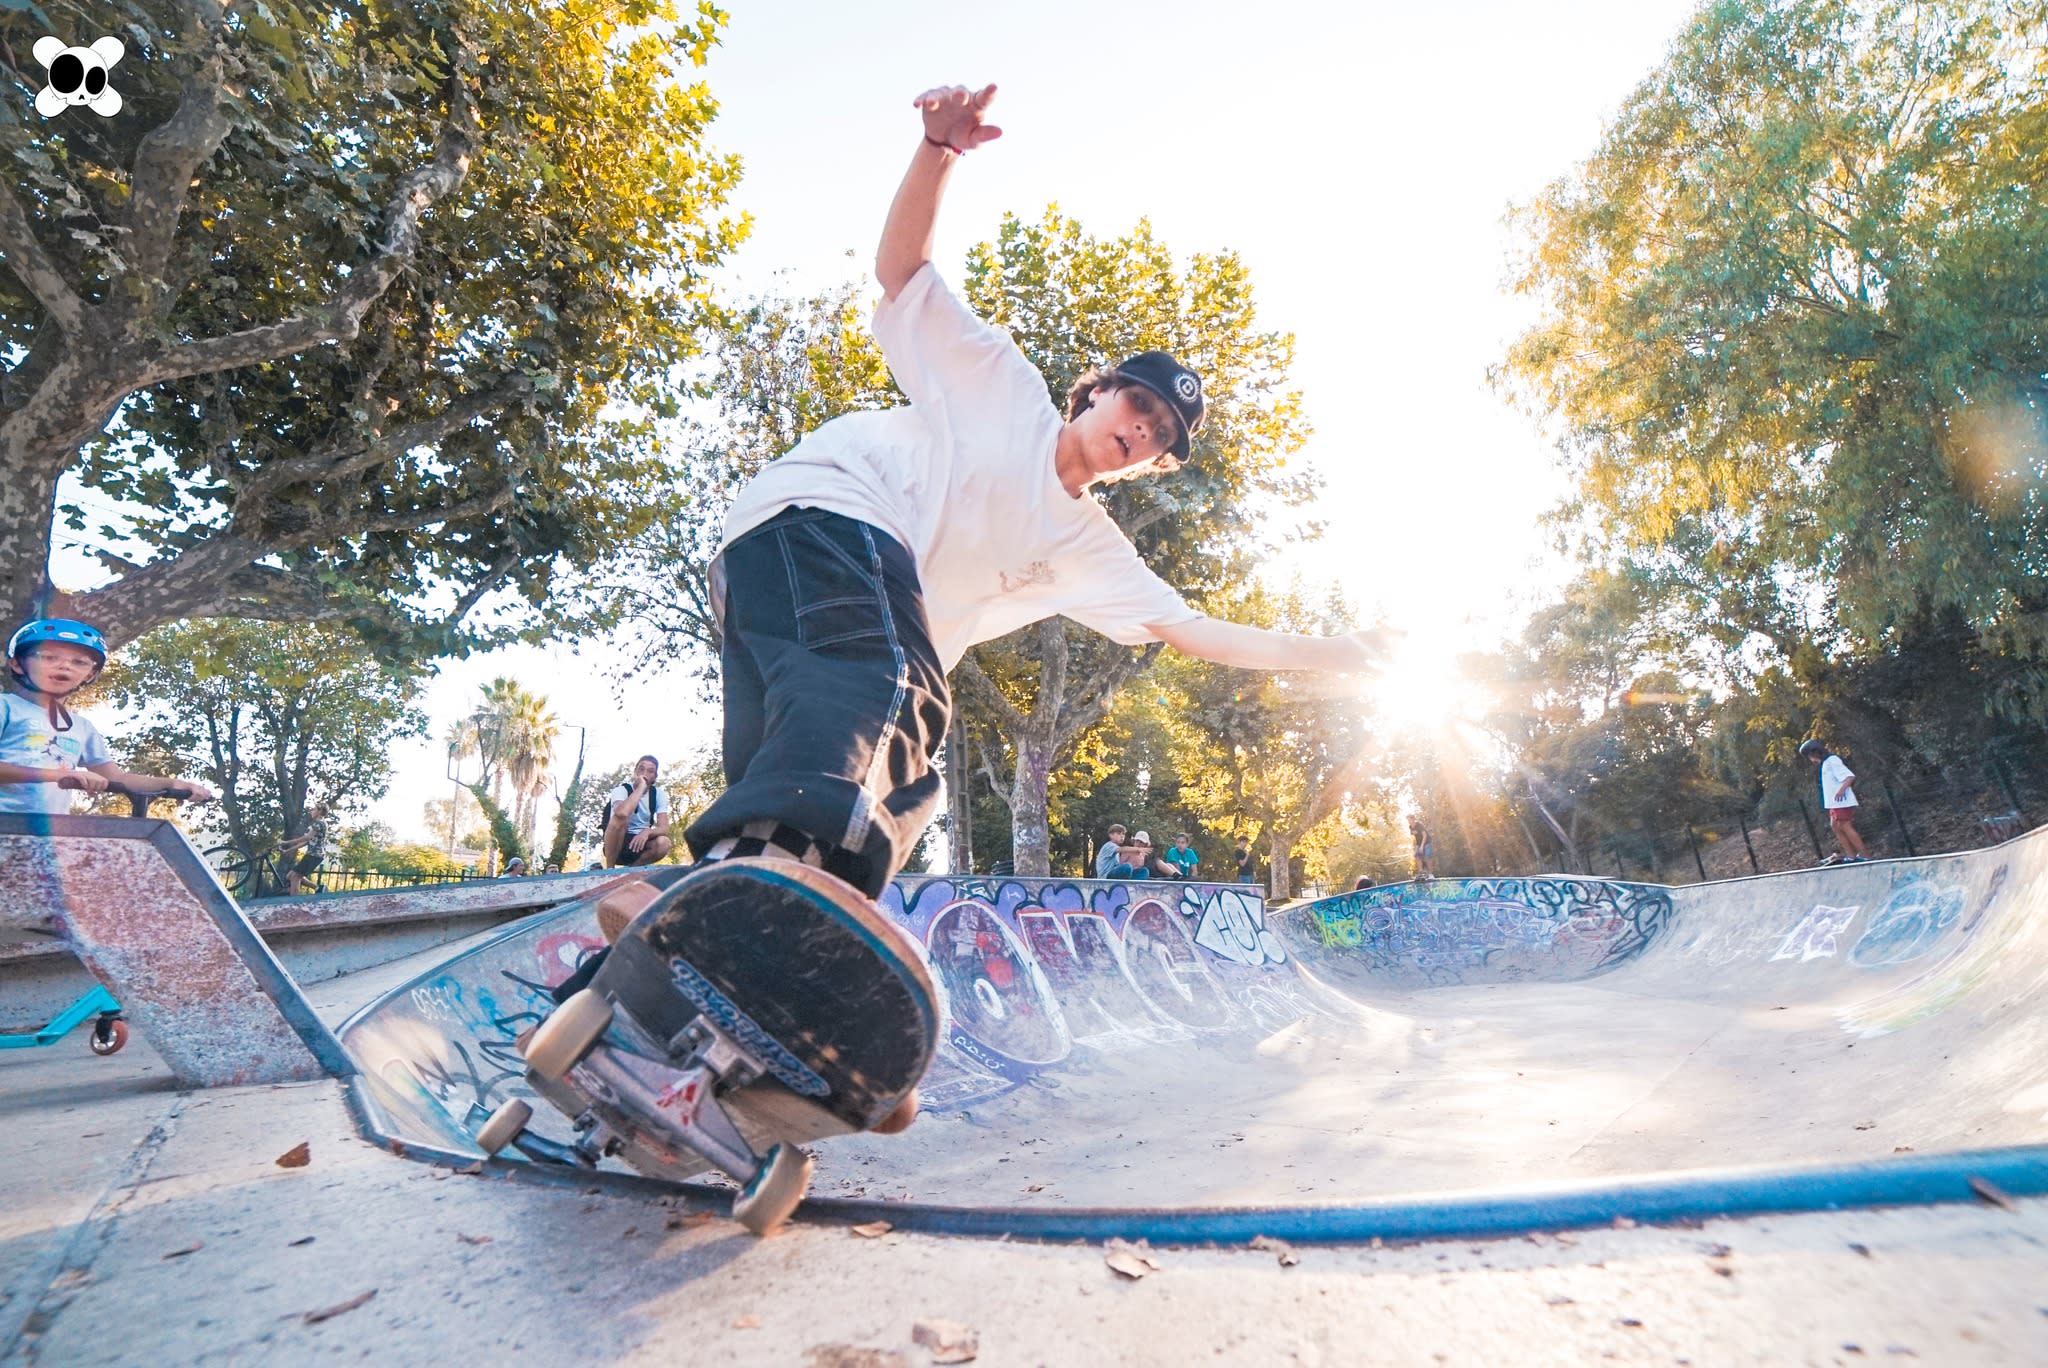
835,701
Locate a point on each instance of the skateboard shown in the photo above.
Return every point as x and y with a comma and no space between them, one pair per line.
752,1006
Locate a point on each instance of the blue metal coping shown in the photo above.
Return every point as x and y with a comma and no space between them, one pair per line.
1649,1199
270,976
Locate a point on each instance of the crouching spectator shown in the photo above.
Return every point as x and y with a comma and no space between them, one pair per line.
636,819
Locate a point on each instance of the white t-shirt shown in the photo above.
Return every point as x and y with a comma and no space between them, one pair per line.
27,738
639,819
963,477
1832,773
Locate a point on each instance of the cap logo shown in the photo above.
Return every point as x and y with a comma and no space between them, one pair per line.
1187,387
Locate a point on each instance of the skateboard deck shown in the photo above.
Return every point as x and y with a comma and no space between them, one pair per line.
753,1005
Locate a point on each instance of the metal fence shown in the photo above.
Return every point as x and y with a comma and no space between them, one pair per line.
1961,807
326,880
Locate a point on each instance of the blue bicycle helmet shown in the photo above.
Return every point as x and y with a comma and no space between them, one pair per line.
58,629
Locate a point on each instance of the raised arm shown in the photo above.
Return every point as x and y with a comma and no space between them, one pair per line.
953,124
1256,648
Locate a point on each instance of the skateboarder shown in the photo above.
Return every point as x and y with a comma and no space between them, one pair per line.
1838,796
860,567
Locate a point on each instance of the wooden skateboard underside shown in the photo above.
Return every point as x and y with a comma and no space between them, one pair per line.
823,1017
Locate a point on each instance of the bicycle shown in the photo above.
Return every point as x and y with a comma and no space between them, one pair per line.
245,874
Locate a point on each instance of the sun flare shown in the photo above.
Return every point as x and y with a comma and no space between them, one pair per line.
1422,687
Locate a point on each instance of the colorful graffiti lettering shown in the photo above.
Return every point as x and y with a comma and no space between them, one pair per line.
1818,933
1032,969
1489,930
1908,925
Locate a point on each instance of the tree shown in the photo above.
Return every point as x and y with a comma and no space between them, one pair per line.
358,314
1791,328
456,821
1272,756
774,369
1073,302
270,716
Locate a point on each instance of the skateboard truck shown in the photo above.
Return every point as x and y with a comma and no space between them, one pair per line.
681,1089
710,1058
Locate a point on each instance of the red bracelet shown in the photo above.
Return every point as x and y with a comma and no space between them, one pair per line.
956,151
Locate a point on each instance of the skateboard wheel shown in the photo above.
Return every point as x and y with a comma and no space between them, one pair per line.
108,1037
568,1033
766,1202
504,1126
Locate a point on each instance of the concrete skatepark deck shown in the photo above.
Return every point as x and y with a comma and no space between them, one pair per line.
143,1223
1459,1058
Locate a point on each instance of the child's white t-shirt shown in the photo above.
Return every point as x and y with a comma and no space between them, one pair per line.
964,478
1832,774
27,738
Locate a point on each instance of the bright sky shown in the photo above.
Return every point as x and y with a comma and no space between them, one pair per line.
1359,158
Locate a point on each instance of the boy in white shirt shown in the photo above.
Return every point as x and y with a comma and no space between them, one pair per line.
1839,798
858,569
47,752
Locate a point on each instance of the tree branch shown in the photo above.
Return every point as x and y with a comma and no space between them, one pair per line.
969,673
338,459
165,162
35,268
341,318
400,522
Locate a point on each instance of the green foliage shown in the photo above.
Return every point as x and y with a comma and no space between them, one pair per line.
271,717
1273,758
1792,330
504,831
456,418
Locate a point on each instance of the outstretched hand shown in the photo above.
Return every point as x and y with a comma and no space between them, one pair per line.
1374,647
957,116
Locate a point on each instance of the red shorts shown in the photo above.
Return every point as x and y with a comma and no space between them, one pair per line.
1842,816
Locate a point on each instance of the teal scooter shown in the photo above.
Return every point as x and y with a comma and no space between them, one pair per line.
109,1032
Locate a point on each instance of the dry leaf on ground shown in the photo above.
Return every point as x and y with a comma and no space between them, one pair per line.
873,1230
192,1248
1132,1261
949,1341
1993,1194
473,1239
747,1323
298,1156
339,1308
1288,1258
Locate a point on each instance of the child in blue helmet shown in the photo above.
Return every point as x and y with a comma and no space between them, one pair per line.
47,752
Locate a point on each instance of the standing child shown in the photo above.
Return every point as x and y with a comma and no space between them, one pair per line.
47,752
1425,849
1838,796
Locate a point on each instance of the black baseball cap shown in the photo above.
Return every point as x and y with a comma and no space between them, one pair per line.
1180,387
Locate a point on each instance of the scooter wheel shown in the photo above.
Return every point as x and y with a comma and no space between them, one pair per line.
504,1126
568,1034
109,1036
777,1188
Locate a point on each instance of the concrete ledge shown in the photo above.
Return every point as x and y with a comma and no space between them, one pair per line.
315,938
